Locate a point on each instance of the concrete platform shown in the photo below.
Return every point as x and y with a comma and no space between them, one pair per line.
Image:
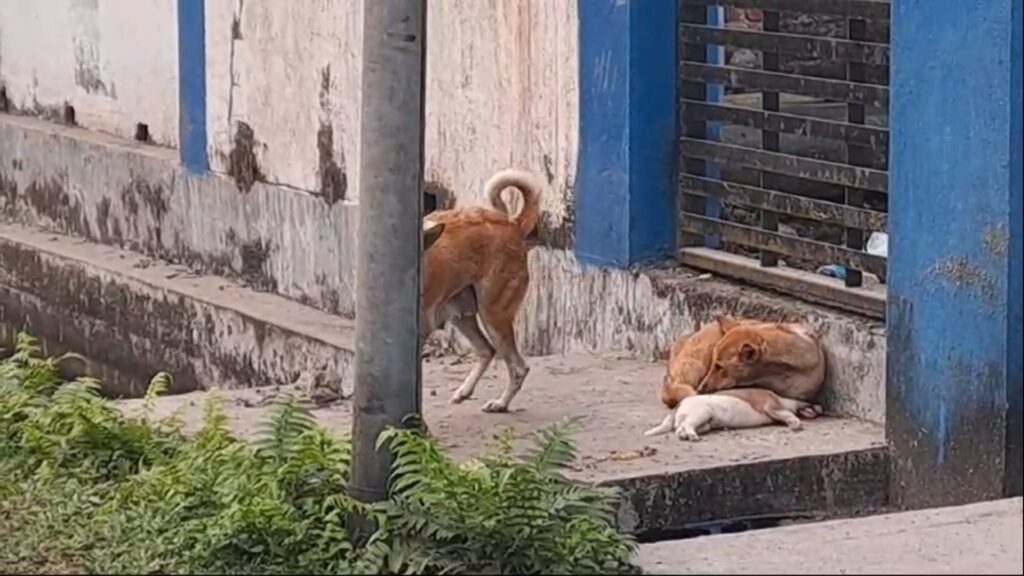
132,316
977,539
834,464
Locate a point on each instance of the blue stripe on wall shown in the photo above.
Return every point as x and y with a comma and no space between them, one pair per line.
625,186
192,85
1014,371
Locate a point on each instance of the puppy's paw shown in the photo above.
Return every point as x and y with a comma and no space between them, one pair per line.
810,412
689,435
494,407
795,425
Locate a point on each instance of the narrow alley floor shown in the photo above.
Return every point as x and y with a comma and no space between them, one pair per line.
984,538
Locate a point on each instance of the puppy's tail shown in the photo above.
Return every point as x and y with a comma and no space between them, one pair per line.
528,185
662,428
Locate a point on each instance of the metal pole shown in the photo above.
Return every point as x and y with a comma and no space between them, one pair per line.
387,363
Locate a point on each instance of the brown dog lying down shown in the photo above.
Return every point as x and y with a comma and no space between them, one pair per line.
735,409
786,358
778,363
475,268
689,362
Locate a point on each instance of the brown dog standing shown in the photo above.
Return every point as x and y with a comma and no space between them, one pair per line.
785,358
475,267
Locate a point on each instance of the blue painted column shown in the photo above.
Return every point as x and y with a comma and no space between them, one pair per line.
1015,380
625,186
954,317
192,85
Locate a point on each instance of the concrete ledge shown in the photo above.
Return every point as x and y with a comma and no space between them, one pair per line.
833,484
573,308
112,191
131,317
833,467
977,539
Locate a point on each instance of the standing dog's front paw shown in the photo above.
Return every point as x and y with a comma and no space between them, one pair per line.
458,398
495,406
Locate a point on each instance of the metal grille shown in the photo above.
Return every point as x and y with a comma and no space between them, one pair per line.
784,144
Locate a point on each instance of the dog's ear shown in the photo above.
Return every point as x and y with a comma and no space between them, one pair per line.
749,353
726,323
431,232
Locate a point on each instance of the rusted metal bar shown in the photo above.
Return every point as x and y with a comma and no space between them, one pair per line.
855,155
791,204
783,244
769,138
694,110
807,285
758,80
693,126
821,47
820,170
868,9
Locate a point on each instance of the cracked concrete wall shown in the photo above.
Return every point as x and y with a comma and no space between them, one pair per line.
284,95
502,91
96,186
114,61
283,89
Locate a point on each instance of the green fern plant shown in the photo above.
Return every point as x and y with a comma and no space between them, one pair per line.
502,513
85,487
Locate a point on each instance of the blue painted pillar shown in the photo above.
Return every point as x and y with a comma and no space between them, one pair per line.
192,85
954,316
625,187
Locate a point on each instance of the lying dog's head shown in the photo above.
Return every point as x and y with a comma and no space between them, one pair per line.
734,359
431,233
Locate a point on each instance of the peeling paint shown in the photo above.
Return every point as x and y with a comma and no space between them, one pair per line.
963,274
255,254
996,239
49,198
244,167
437,196
161,323
113,61
333,179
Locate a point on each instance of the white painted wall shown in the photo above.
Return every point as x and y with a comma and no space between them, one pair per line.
115,61
501,89
272,78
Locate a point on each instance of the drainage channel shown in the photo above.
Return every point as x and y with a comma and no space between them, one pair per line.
727,526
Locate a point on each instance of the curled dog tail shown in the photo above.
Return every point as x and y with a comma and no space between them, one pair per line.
528,185
672,393
662,428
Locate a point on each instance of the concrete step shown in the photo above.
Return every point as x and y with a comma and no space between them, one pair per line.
980,538
131,317
833,466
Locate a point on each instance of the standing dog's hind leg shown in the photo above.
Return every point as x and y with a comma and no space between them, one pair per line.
468,327
504,339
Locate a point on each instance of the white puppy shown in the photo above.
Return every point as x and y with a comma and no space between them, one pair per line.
738,408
